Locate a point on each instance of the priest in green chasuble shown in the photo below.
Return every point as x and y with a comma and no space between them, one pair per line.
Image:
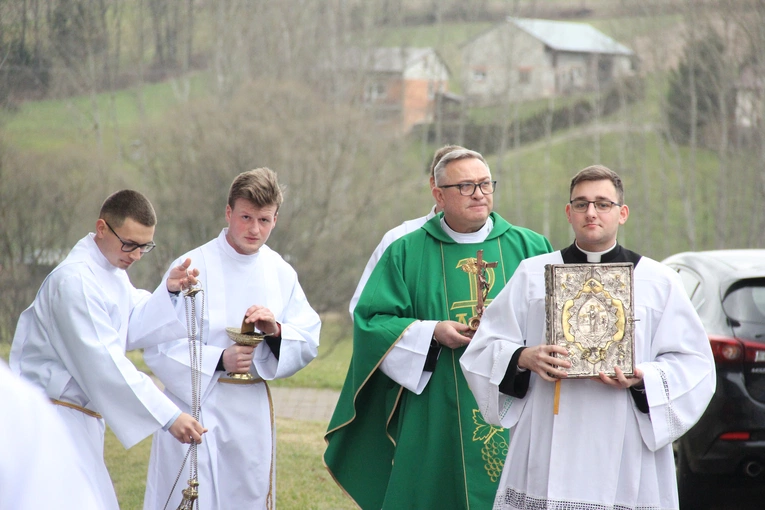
406,432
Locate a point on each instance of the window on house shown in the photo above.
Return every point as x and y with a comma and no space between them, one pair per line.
374,92
479,74
524,75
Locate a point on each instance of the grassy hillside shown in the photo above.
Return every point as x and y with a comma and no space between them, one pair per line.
55,124
657,225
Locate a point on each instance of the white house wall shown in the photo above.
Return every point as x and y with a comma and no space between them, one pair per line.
429,67
504,55
495,62
573,71
623,66
748,107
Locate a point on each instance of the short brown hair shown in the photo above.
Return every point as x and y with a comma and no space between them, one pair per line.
260,187
440,153
128,203
456,155
599,173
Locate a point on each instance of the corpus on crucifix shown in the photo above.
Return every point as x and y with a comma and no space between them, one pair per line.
482,286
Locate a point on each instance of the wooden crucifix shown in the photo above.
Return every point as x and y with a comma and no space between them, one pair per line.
482,287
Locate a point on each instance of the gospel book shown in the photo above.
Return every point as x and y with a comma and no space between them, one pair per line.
590,312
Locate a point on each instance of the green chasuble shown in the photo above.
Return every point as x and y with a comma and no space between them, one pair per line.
388,447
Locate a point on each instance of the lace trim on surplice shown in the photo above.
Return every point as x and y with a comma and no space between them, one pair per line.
675,425
514,500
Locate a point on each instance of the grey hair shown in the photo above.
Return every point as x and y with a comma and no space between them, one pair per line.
438,171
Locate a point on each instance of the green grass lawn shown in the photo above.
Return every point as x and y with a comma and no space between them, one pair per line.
328,370
302,481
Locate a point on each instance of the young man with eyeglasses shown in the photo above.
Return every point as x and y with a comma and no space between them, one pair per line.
610,443
406,432
71,341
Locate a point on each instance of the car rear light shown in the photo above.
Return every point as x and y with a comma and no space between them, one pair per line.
726,350
735,436
754,352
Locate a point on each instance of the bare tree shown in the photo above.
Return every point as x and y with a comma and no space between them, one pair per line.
338,177
41,210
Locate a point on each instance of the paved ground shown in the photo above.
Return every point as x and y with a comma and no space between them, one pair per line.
304,403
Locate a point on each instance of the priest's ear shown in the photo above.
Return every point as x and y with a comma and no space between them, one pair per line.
624,213
438,196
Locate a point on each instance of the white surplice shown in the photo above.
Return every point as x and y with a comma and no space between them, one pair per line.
236,459
600,452
71,342
39,465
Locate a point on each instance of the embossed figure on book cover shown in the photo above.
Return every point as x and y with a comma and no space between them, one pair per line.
590,313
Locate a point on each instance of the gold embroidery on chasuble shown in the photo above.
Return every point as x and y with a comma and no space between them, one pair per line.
495,445
462,280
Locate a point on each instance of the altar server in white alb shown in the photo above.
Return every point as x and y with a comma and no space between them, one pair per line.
610,445
71,341
241,277
401,230
39,465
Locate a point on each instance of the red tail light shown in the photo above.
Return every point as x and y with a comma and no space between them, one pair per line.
735,436
726,350
754,352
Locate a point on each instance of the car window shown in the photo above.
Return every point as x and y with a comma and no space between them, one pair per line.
744,304
691,283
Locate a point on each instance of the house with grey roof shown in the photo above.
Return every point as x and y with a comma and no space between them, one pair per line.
526,59
398,86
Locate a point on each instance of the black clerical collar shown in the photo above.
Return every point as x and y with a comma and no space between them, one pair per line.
573,255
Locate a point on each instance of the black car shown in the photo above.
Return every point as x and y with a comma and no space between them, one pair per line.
727,446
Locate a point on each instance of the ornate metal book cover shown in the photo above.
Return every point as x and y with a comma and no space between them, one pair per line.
589,312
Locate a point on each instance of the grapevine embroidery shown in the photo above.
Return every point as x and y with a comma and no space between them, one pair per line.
495,445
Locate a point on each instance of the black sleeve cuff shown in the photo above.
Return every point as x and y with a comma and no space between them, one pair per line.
640,398
275,344
515,383
432,358
219,367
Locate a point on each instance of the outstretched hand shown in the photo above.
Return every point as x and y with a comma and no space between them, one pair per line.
181,277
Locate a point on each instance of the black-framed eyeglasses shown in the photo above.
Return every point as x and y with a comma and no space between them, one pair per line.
601,206
129,247
468,188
